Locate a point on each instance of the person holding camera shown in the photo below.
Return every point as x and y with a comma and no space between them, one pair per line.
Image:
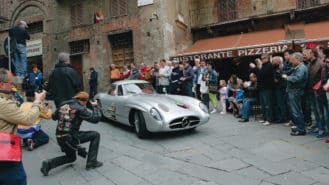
70,115
33,136
12,172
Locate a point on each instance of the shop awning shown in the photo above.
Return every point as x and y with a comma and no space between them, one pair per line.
244,44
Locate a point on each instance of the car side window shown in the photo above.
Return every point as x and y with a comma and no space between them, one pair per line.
112,91
120,91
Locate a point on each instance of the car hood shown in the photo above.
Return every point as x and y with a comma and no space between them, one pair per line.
170,103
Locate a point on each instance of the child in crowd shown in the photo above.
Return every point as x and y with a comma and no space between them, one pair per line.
33,136
223,92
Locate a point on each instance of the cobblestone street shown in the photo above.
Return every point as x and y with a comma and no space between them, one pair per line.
222,152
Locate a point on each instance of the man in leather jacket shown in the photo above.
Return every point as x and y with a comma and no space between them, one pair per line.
68,135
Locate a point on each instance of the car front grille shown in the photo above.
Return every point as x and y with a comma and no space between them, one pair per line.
184,122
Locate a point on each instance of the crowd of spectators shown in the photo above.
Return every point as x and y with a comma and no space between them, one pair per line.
291,89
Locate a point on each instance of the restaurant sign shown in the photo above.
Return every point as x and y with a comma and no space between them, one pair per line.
231,53
34,48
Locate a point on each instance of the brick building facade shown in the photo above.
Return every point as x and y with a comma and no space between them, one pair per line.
129,31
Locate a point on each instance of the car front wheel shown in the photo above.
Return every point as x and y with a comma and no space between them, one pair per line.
139,124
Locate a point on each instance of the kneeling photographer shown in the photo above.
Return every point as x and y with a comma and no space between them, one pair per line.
70,115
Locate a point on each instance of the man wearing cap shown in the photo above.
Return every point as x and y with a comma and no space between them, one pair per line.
70,115
20,33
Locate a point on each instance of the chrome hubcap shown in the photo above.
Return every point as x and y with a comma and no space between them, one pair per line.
136,122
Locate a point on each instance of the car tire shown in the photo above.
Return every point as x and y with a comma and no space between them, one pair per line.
139,125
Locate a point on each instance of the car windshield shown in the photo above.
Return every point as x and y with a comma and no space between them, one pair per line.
139,88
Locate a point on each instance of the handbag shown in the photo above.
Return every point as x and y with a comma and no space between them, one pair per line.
10,145
317,86
213,88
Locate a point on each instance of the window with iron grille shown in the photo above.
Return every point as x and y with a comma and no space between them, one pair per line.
76,14
121,40
119,8
80,46
303,4
227,10
36,27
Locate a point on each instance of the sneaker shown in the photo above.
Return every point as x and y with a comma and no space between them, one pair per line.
311,127
294,128
289,124
30,144
266,123
92,165
298,133
45,168
261,121
222,112
314,132
321,134
243,120
213,111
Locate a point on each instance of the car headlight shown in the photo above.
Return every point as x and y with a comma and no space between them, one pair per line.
203,107
155,114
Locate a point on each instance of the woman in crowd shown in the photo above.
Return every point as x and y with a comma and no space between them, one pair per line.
213,91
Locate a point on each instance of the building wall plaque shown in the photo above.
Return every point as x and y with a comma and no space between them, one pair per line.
34,48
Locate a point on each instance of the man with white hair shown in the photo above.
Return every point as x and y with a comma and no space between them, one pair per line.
20,34
64,81
296,83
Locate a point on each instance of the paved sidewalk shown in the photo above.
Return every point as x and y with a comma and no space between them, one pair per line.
222,152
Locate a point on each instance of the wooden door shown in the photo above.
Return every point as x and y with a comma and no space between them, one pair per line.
76,62
122,57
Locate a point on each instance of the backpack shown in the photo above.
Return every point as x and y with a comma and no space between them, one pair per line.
65,118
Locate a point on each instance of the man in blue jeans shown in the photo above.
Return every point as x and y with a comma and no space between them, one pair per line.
296,83
251,93
21,35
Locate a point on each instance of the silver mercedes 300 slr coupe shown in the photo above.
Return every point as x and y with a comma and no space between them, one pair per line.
135,103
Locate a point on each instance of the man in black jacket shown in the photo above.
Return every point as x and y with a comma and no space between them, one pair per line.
265,79
64,81
70,116
93,82
175,83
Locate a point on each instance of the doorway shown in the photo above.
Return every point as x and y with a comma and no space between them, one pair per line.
35,60
122,49
76,62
